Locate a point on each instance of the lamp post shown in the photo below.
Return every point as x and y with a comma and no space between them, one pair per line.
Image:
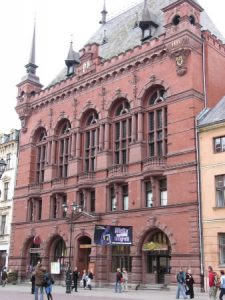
2,166
74,207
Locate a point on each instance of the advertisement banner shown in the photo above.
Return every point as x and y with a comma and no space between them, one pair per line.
113,235
55,268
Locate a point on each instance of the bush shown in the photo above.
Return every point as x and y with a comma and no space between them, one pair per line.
13,277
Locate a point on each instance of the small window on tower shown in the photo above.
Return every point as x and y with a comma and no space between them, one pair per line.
192,20
176,20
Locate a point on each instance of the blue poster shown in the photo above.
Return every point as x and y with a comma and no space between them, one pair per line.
113,235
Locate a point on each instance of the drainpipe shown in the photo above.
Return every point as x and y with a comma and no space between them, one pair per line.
204,70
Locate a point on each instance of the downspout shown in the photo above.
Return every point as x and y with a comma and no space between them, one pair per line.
199,195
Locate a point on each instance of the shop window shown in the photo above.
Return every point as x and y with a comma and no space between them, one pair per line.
60,253
163,192
220,190
219,144
148,194
222,248
113,203
121,258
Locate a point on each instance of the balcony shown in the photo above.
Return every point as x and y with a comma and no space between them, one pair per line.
154,164
117,171
86,177
35,187
59,182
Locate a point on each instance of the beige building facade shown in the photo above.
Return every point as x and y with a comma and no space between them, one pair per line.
211,132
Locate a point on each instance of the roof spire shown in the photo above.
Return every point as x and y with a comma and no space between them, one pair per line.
31,66
104,13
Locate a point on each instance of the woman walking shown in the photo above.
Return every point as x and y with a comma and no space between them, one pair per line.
48,285
189,283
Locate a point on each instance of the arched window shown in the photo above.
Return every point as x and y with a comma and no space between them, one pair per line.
157,122
91,141
63,147
41,144
122,132
60,252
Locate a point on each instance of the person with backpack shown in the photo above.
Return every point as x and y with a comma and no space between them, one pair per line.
39,281
190,284
213,281
118,285
222,285
48,280
181,281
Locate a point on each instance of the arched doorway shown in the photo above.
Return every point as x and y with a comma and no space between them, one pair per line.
156,250
84,250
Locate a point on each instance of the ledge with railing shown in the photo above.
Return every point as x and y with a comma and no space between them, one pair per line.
86,177
117,170
154,163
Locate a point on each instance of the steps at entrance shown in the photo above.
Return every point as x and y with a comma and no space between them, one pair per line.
156,287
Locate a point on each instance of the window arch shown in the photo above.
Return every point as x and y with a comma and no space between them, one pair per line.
156,121
63,147
121,132
91,141
40,138
60,252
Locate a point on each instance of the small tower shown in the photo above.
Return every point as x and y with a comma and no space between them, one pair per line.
104,13
72,60
28,87
147,23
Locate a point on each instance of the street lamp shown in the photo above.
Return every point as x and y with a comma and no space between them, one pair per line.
2,166
74,208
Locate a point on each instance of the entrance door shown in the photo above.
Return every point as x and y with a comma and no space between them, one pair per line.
84,250
158,265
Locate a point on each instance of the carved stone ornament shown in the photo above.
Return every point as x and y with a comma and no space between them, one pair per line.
180,58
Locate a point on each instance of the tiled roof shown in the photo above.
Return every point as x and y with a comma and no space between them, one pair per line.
121,34
215,115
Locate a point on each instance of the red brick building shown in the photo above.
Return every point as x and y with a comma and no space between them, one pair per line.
115,133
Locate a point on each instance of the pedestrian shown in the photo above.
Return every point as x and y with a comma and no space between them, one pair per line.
49,281
119,276
75,278
4,277
89,279
84,279
222,285
212,283
190,284
125,280
181,281
32,279
39,281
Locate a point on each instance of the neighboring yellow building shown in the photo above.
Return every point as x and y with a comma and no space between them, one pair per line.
211,133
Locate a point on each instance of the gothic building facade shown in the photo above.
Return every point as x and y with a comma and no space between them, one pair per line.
115,133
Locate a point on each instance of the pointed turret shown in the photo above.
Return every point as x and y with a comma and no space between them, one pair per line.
104,13
72,60
147,23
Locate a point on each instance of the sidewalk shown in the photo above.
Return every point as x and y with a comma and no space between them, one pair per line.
22,291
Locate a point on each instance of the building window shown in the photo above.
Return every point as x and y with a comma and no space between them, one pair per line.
41,155
122,134
92,201
222,248
121,258
64,148
113,199
148,194
163,192
219,144
8,161
3,224
34,210
57,201
220,190
6,190
91,142
60,253
125,197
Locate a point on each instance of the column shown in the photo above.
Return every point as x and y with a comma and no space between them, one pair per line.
106,136
134,128
78,140
101,134
72,153
53,152
140,127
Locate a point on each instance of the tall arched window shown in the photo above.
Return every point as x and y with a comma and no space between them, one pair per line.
41,147
63,147
157,122
122,132
91,141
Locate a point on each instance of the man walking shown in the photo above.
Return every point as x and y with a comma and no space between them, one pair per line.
212,285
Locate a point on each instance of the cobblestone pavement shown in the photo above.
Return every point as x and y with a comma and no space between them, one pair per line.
22,292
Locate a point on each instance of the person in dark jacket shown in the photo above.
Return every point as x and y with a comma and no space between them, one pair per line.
39,281
190,284
118,285
4,277
89,279
48,280
32,279
75,278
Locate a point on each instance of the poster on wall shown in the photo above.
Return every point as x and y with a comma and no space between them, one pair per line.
113,235
55,268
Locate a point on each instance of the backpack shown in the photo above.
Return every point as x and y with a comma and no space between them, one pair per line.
216,280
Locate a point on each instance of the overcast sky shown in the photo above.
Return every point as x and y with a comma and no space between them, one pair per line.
56,21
